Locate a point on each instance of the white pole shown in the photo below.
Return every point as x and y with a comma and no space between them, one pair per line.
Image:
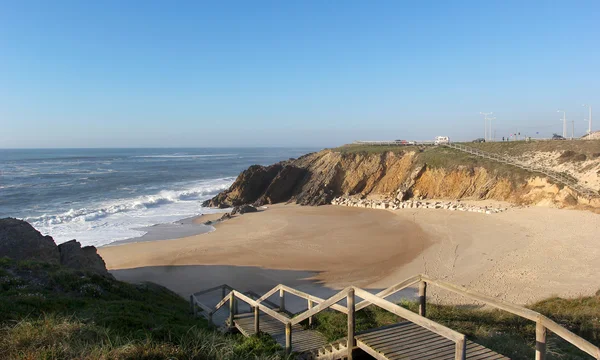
564,124
485,130
590,118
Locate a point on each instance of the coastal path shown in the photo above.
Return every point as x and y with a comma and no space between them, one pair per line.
562,178
415,337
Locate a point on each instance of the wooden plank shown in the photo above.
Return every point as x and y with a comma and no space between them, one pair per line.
410,316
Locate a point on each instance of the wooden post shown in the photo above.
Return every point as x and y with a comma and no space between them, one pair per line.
540,341
231,309
351,324
192,307
461,349
423,298
288,338
256,320
310,319
281,300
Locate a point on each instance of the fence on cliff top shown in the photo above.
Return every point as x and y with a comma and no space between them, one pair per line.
559,177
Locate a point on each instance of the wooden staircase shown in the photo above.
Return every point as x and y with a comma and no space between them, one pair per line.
417,337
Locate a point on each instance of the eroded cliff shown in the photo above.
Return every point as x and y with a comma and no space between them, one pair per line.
315,179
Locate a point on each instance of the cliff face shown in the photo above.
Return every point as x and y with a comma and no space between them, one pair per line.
315,179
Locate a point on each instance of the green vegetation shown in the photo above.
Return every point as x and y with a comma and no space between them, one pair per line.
589,148
442,157
498,330
49,312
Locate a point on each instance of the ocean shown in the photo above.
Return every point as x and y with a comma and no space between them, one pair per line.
99,196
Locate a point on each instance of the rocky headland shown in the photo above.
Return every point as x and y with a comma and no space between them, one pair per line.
399,176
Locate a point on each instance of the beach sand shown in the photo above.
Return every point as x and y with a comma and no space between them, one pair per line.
522,255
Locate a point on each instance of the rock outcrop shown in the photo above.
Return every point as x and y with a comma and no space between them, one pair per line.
318,178
74,256
21,241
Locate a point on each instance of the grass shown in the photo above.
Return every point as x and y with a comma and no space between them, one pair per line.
442,157
590,148
49,312
500,331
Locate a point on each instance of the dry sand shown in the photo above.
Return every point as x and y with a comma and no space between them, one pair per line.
522,255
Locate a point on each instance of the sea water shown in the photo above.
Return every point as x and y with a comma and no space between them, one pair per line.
99,196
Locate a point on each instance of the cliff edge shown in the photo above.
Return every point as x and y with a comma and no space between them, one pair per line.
400,173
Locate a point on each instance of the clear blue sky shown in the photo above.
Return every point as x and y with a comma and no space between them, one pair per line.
276,73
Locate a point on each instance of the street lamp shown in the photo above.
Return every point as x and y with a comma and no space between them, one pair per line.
485,119
491,132
590,119
564,122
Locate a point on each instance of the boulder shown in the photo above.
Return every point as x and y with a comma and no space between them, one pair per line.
243,209
74,256
21,241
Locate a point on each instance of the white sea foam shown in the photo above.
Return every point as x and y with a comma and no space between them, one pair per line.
183,156
106,222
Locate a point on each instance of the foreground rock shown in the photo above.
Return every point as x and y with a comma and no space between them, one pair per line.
21,241
74,256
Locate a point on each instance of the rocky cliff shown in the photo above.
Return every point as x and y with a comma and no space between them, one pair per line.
317,178
21,241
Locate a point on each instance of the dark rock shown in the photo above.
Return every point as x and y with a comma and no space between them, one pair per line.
225,216
81,258
21,241
283,185
244,209
247,188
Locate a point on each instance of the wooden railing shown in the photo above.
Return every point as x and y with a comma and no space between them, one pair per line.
542,322
230,295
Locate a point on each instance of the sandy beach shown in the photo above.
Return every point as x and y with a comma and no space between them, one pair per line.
522,255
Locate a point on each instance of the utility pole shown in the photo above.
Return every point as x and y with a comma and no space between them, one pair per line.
491,138
590,119
564,123
485,119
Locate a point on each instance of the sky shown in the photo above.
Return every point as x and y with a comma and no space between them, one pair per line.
291,73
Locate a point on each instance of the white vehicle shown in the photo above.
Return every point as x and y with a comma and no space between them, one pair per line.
441,140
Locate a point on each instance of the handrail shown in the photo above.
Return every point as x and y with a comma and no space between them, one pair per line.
322,306
515,309
312,298
391,290
378,299
410,316
266,310
529,314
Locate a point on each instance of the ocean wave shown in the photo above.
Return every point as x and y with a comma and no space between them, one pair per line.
183,156
88,214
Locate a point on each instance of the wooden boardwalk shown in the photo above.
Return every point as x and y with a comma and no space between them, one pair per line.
417,337
408,341
303,340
